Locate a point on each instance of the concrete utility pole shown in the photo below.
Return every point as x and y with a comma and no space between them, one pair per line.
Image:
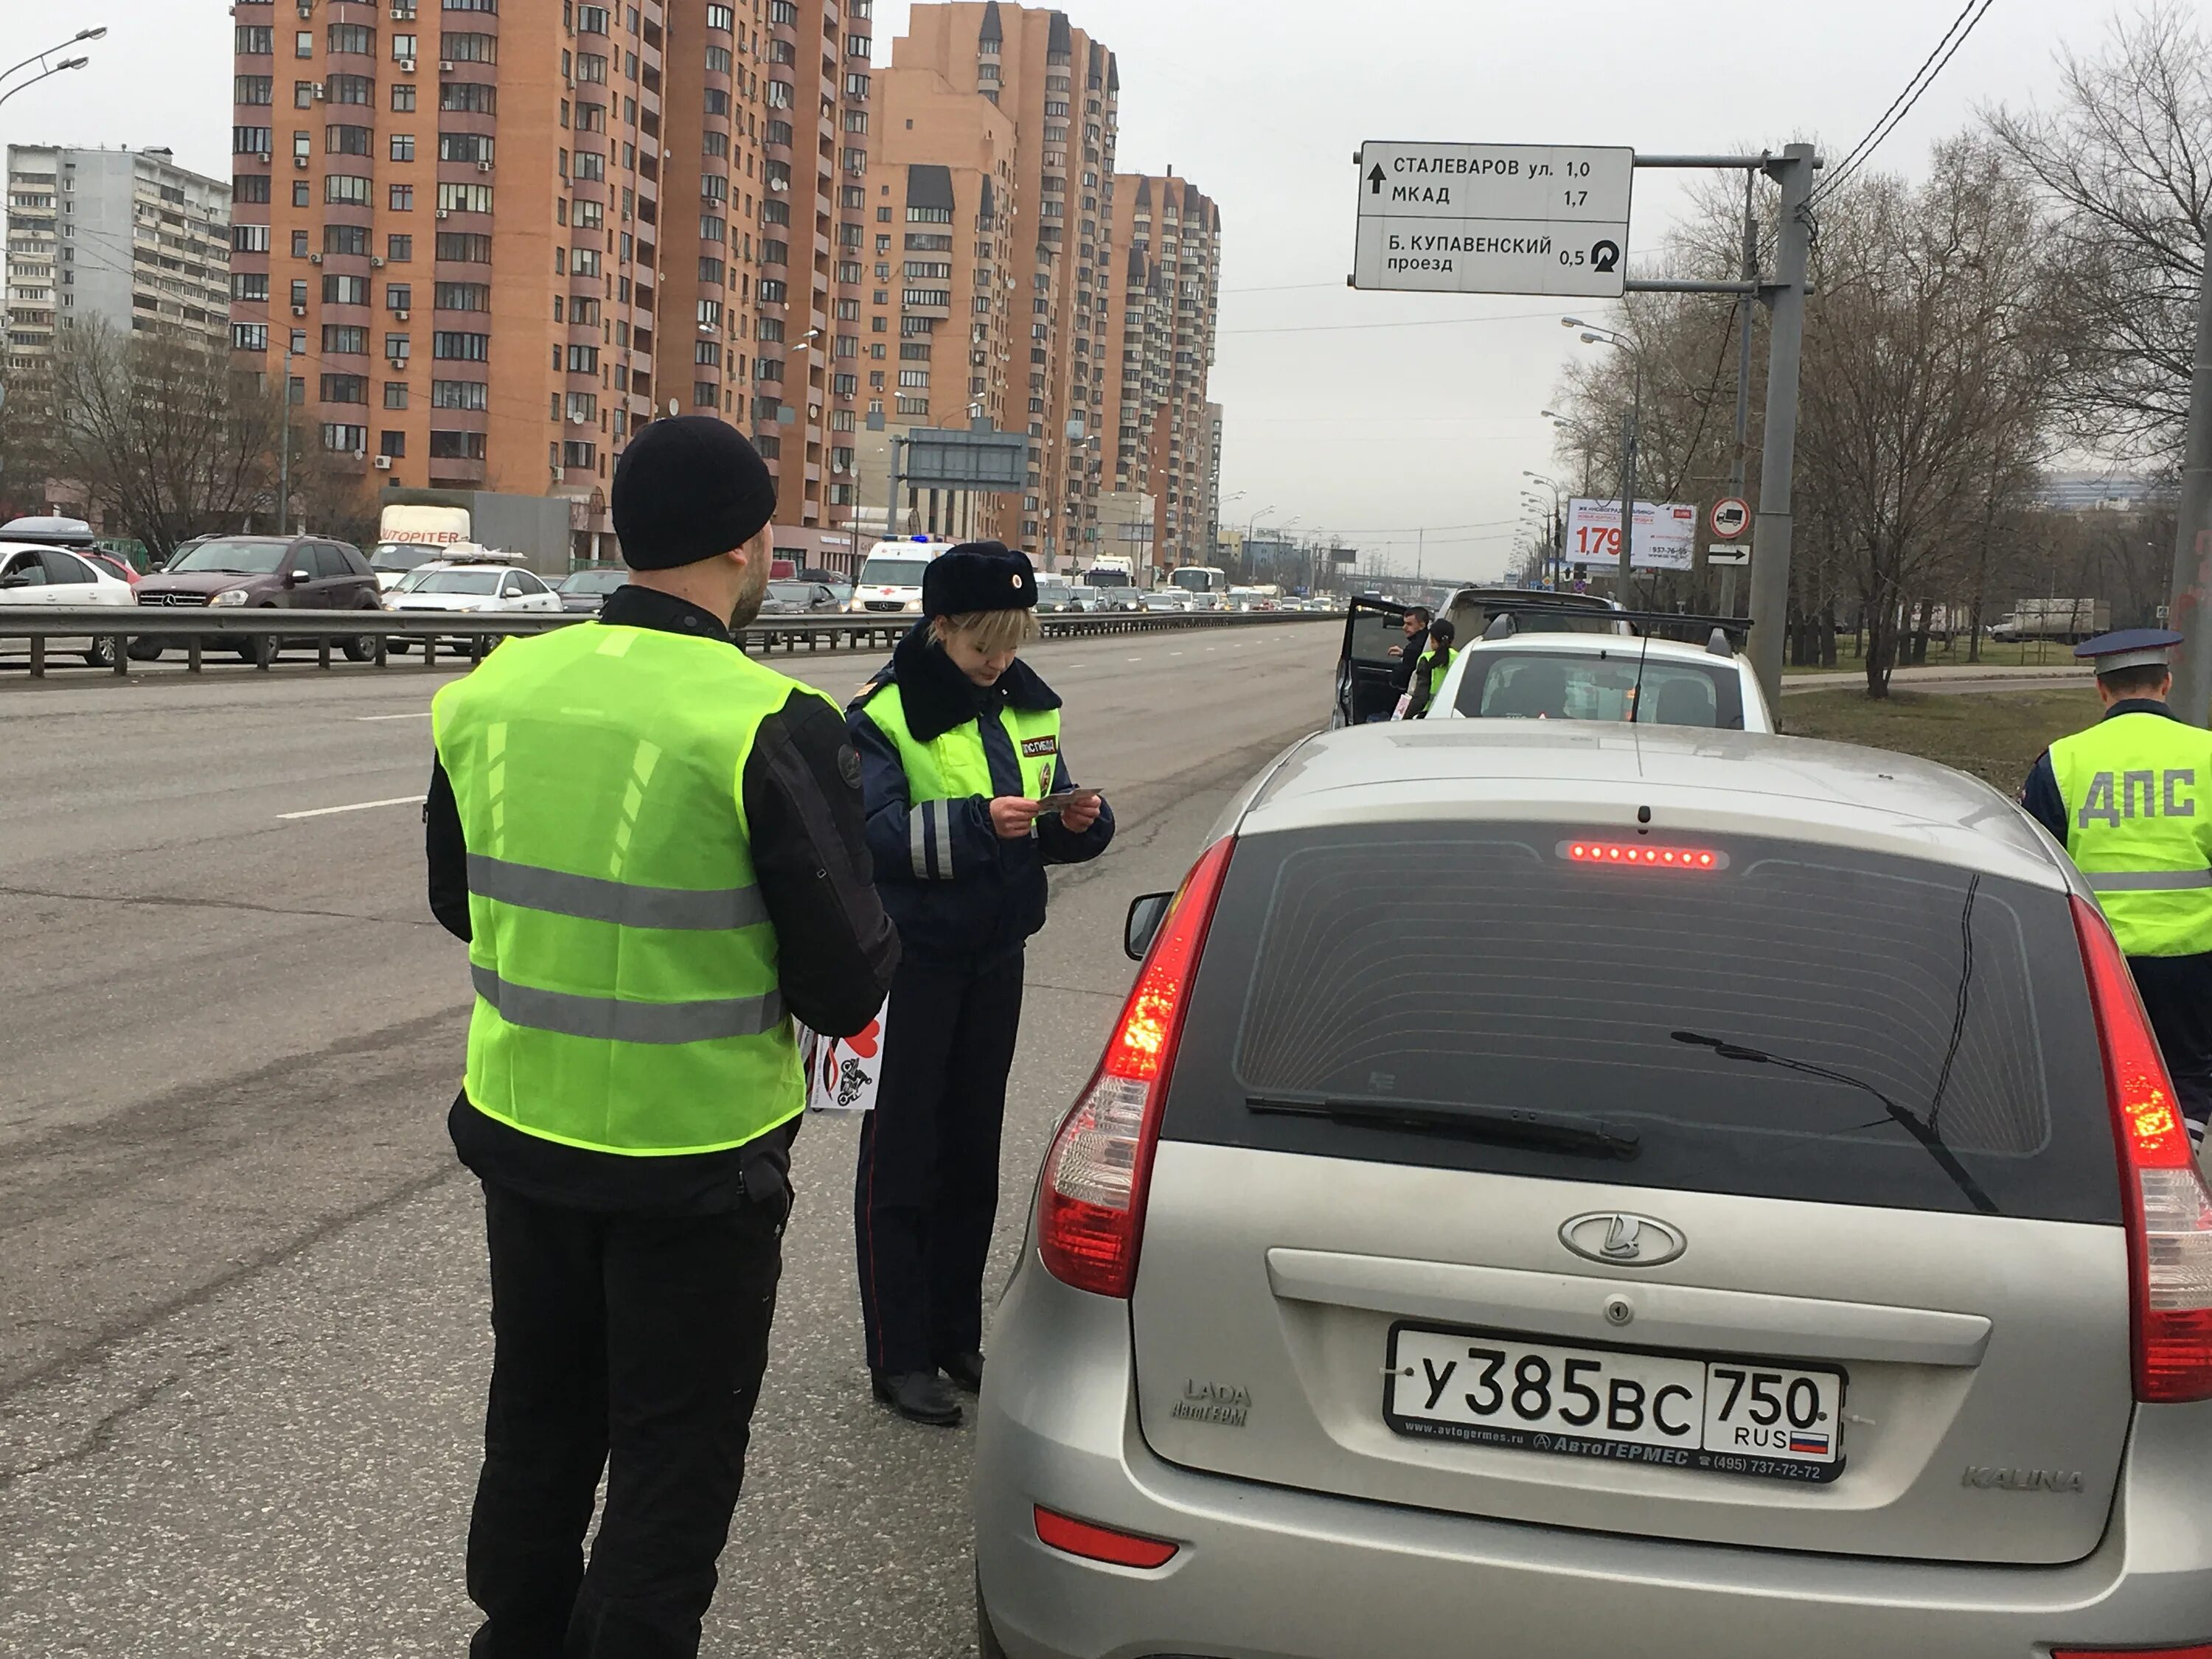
2189,606
1770,555
1742,380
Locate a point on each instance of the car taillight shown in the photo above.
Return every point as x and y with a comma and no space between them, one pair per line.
2169,1209
1101,1161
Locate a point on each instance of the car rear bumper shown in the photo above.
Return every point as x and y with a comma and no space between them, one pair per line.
1267,1573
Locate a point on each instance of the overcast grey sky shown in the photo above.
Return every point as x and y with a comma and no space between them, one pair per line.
1364,430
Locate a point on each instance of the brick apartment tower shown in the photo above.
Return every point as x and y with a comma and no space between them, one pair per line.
1163,435
499,242
941,339
1062,90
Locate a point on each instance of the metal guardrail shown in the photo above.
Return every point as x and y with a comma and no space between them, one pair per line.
263,633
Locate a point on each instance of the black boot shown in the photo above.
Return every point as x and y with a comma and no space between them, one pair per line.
965,1370
918,1397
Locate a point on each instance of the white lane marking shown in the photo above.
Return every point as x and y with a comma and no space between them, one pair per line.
1136,660
1175,653
371,719
357,806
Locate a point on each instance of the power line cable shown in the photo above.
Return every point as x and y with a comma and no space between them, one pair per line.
1910,98
1417,322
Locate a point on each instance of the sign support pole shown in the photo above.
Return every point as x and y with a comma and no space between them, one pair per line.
2189,611
1742,380
1770,537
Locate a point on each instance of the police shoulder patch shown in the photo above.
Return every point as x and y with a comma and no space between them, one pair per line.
848,765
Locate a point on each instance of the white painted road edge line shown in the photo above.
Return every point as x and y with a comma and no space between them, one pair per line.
371,719
358,806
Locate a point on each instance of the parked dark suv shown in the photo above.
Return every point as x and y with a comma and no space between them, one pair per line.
298,572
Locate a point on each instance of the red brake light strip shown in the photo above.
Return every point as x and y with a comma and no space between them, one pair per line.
1642,858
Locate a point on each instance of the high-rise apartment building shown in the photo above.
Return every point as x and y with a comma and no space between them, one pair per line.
460,258
123,237
940,343
1162,434
783,303
1061,90
493,244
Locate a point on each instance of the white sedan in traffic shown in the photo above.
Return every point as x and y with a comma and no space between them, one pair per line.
51,576
473,589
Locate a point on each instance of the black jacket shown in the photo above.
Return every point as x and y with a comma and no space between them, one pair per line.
2039,794
970,898
1402,671
836,947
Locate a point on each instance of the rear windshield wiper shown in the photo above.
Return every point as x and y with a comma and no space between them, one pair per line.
1563,1132
1923,1132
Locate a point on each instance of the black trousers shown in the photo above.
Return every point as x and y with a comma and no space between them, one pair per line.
927,1191
2177,994
634,1344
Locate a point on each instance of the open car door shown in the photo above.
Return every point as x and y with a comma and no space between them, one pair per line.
1372,629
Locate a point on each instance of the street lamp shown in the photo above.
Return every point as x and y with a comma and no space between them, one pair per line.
1558,517
1593,335
46,68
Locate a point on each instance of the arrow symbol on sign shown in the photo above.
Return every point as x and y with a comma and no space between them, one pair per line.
1375,180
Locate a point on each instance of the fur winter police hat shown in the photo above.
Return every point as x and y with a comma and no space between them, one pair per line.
978,577
687,489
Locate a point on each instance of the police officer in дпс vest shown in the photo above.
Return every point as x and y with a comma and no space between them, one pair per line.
654,845
958,739
2131,800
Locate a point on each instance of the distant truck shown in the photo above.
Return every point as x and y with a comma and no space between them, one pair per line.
2070,621
416,524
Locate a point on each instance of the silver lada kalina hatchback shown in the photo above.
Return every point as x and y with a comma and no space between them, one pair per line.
1557,1192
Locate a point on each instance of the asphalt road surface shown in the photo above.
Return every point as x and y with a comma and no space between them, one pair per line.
243,1344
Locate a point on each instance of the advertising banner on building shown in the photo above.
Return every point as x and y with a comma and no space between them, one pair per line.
1666,535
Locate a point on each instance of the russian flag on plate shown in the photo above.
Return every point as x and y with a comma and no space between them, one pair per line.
1801,1441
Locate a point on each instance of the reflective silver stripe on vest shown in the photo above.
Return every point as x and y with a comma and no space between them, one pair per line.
917,832
2148,881
611,1019
589,898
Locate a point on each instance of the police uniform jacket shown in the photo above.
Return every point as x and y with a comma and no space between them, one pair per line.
2041,795
958,893
836,952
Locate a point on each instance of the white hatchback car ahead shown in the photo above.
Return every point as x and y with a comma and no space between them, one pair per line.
1599,677
1559,1191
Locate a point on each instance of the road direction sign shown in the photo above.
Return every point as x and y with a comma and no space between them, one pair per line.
1727,553
1731,518
1493,219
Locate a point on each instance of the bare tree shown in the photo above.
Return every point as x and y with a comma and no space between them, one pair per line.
1926,388
2125,161
157,430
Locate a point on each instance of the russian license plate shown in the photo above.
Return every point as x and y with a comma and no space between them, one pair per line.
1733,1416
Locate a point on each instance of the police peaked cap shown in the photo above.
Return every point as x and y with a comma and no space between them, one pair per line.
978,577
2131,648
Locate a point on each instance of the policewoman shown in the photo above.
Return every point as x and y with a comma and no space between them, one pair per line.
653,847
960,742
2131,800
1429,669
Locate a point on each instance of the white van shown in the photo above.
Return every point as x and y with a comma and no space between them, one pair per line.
890,576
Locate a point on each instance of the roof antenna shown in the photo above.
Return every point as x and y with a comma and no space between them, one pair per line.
1501,626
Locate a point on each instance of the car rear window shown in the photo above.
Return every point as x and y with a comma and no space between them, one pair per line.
1899,1033
1602,686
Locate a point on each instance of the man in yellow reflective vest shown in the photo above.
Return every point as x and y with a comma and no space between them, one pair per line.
2131,800
654,847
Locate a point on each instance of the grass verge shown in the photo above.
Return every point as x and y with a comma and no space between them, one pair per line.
1995,736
